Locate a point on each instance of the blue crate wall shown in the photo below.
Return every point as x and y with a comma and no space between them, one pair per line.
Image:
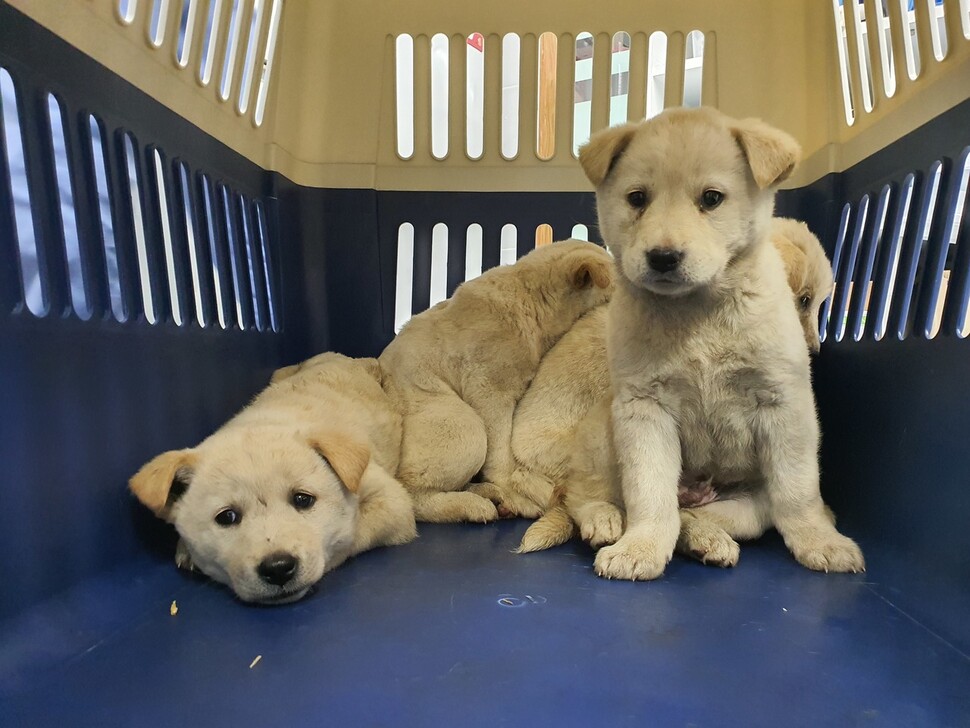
89,387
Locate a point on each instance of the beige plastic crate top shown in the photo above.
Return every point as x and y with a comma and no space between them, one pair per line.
846,81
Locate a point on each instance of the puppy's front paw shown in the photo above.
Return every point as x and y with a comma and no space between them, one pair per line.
708,543
183,559
827,552
601,524
632,557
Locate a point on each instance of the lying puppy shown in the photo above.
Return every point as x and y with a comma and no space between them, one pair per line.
574,375
456,372
709,373
291,486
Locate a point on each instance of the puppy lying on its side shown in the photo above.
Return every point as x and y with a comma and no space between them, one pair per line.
456,372
709,373
574,375
292,486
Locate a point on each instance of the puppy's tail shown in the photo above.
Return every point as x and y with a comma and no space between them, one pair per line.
553,529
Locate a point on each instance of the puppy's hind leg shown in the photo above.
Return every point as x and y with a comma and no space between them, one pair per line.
525,495
442,448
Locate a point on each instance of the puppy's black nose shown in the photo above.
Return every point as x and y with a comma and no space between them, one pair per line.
664,260
277,569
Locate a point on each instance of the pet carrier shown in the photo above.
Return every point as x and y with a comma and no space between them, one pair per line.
195,192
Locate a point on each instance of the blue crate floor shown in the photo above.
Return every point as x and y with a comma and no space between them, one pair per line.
456,630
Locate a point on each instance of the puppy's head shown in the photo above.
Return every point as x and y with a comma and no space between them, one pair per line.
684,194
567,279
262,509
809,272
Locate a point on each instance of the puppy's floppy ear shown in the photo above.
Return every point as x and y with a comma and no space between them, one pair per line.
592,271
795,260
373,368
771,153
603,149
284,373
162,481
348,457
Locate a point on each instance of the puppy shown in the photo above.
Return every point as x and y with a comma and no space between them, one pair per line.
574,375
292,486
456,372
709,371
809,272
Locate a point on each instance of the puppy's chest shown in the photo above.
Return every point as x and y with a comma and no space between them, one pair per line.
716,403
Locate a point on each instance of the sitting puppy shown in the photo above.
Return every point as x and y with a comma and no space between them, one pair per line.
709,373
456,372
291,486
574,375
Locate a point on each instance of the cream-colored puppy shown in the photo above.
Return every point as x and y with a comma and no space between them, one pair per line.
457,371
292,486
709,370
574,375
809,272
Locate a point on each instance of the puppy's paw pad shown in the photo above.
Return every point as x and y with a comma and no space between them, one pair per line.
602,526
836,554
633,560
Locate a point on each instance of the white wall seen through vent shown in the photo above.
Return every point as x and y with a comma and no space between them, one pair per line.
403,278
511,47
619,78
582,90
439,95
266,69
474,95
439,263
509,245
693,68
473,251
656,73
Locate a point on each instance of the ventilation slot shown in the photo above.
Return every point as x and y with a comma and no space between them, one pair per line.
543,235
619,78
580,232
582,91
186,32
209,43
511,49
33,284
946,252
546,97
156,33
246,84
69,227
910,41
842,45
826,312
216,253
656,73
113,274
439,96
127,10
473,251
475,95
192,241
509,251
138,223
232,46
266,72
405,269
439,263
693,68
404,69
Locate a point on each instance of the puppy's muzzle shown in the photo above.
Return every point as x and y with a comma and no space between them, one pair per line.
664,260
277,569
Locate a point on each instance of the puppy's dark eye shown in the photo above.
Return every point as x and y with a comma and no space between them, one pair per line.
711,199
302,501
804,302
228,517
637,199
